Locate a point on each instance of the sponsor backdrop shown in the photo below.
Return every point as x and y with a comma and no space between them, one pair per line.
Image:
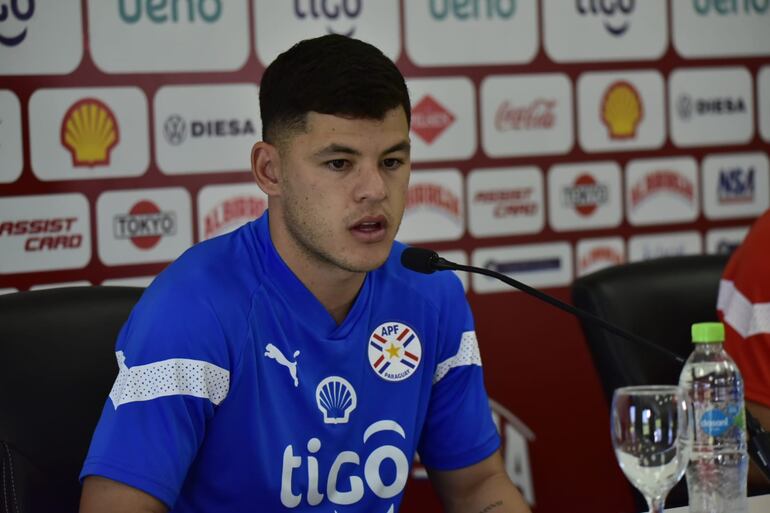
550,139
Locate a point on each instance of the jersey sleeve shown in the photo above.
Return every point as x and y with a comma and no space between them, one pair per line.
175,368
459,430
744,306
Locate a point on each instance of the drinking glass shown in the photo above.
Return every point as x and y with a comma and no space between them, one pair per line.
650,434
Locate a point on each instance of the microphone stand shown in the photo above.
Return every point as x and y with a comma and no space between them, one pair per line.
759,441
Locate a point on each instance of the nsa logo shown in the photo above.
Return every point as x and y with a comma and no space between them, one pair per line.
394,351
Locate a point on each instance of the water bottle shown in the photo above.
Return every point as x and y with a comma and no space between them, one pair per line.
718,467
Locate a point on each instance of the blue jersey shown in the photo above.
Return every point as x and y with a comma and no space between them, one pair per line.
238,392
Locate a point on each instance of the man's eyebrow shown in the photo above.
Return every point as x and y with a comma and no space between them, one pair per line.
402,146
335,148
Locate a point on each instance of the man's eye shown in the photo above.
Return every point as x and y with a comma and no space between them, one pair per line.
391,163
337,164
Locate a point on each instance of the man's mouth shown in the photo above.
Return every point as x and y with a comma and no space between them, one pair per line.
370,229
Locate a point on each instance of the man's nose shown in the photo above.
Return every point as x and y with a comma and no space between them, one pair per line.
370,185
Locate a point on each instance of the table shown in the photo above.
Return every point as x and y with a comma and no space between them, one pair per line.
757,504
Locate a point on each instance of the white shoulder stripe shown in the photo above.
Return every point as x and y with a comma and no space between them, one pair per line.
467,354
746,318
178,376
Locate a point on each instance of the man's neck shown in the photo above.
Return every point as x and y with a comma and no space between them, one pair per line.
336,289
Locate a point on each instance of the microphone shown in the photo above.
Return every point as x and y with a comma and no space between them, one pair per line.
427,261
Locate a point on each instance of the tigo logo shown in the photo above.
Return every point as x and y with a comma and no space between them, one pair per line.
90,131
316,9
622,110
19,14
430,119
145,225
607,9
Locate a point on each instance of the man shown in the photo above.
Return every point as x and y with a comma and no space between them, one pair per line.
294,365
744,306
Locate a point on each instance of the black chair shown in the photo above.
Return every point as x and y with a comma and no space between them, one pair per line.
57,366
658,300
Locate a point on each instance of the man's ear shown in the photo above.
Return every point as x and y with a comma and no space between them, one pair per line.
266,167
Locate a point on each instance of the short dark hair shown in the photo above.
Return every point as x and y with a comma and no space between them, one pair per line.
331,74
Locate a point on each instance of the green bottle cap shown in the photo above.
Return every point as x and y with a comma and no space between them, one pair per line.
708,332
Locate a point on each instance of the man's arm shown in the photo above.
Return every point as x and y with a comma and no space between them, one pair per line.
101,495
480,488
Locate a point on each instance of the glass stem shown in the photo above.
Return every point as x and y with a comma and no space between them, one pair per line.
655,504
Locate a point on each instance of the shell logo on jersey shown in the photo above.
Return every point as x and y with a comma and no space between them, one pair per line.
89,131
622,110
430,119
336,398
394,351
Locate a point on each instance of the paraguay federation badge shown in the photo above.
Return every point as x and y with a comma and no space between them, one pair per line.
394,351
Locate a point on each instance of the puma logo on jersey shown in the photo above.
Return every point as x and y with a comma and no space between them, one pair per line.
273,352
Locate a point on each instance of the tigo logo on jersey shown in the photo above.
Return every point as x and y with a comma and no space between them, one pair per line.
430,119
336,398
394,351
585,195
145,224
20,14
90,131
622,110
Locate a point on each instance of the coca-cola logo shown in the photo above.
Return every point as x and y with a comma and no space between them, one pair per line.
538,115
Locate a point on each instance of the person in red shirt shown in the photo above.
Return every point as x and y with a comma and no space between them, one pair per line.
744,307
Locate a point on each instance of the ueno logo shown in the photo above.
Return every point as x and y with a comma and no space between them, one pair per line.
145,224
354,489
132,11
607,9
19,14
736,185
537,115
726,8
489,9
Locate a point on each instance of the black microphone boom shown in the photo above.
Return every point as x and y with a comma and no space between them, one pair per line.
427,261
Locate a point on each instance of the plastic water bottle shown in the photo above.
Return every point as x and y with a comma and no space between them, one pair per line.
718,467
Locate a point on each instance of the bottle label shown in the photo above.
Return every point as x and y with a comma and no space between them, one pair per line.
714,422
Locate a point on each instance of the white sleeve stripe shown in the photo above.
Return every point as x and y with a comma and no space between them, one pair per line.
178,376
744,317
467,354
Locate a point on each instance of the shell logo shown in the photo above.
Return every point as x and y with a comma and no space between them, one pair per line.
622,110
89,131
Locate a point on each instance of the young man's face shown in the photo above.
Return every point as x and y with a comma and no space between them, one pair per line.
344,184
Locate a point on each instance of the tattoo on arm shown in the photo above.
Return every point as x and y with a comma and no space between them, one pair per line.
491,507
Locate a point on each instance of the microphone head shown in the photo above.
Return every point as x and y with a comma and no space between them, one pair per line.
420,260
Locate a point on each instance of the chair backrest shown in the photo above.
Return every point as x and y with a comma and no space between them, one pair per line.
656,299
57,366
